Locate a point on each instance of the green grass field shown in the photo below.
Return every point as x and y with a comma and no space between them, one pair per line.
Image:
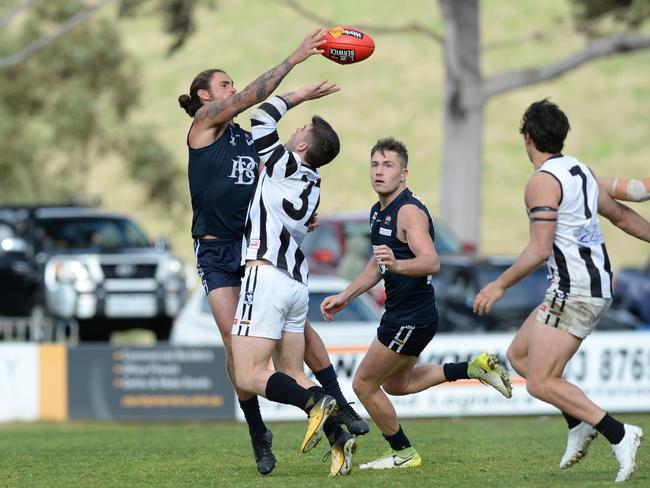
464,452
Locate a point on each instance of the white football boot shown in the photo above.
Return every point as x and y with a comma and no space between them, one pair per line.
625,451
577,444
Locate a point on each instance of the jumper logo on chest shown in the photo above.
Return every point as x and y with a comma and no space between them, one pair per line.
243,170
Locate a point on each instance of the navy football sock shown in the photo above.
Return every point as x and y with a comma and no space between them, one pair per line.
327,378
455,371
612,429
571,421
251,409
282,388
398,440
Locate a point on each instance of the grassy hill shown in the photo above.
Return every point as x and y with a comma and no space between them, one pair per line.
398,92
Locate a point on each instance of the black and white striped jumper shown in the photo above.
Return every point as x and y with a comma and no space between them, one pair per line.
579,264
286,197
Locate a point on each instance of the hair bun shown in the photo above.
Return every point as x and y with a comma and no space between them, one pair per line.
184,100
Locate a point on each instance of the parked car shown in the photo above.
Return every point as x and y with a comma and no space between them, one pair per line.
356,324
338,235
18,278
95,267
460,280
632,292
341,246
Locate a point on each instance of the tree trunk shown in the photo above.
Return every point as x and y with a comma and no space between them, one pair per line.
463,119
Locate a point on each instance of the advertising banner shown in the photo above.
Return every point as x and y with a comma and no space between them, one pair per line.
148,383
19,382
612,368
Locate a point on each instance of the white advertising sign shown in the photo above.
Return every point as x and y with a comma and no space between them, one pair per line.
19,378
612,368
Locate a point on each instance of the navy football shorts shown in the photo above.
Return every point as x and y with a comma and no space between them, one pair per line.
218,262
404,338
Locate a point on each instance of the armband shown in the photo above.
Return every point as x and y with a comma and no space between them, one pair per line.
540,219
541,209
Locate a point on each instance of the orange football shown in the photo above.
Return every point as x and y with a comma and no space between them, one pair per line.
347,45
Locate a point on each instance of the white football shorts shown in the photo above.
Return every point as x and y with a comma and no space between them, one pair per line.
270,302
573,314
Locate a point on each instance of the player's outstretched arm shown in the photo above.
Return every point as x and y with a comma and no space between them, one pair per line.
542,200
309,92
368,278
626,189
622,216
264,120
218,112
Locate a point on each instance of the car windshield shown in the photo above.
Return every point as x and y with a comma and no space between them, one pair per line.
60,234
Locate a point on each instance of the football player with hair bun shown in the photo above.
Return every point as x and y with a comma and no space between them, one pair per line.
223,170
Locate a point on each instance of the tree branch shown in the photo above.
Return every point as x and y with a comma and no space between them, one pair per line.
598,48
4,21
407,28
43,41
534,36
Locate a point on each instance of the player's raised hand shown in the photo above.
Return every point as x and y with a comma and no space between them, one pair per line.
316,90
308,47
310,92
331,306
487,297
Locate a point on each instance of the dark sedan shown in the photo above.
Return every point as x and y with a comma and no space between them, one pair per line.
461,279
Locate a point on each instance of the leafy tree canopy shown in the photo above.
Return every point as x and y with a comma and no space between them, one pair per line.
66,104
178,16
593,16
